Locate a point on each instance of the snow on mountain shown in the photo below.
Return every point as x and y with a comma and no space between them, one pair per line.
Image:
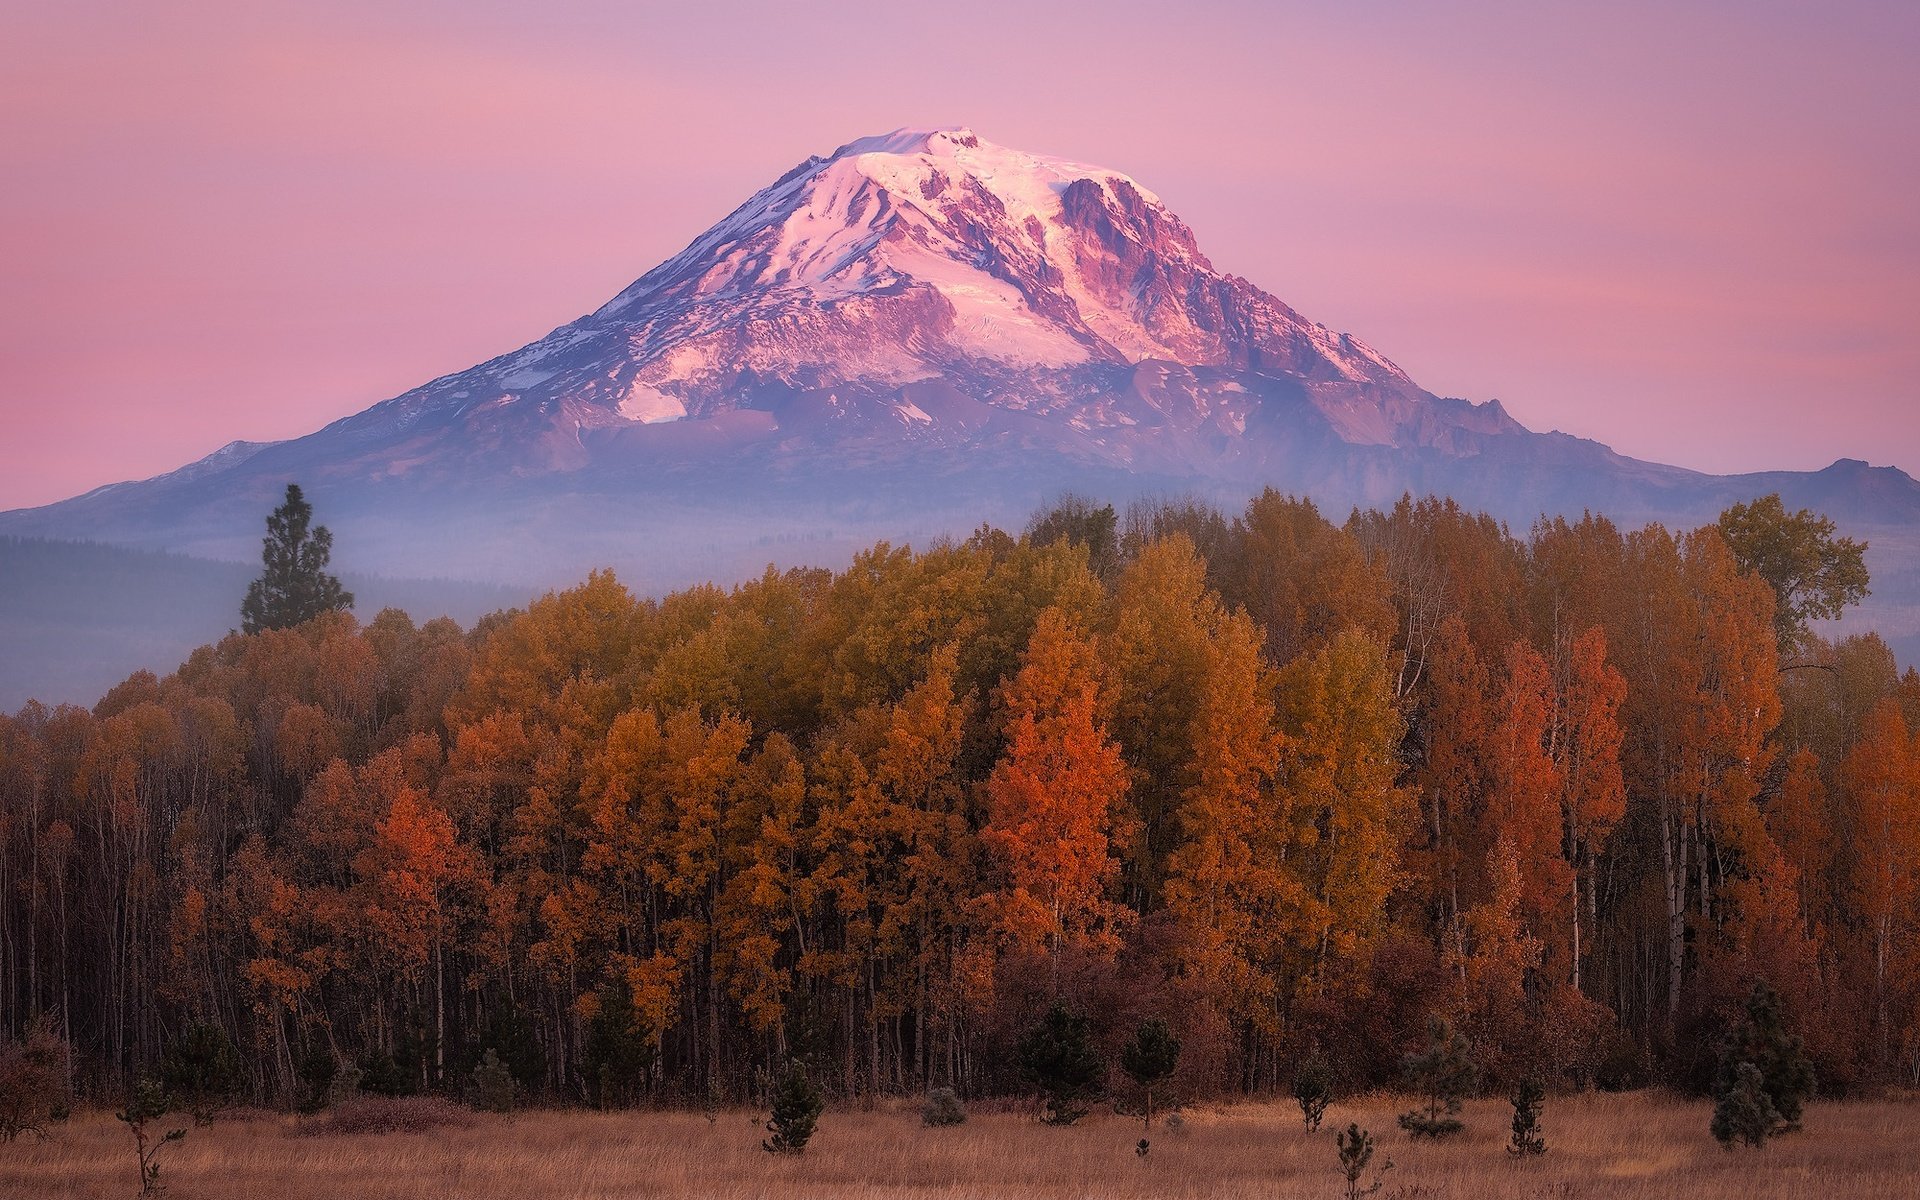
1006,257
921,322
1027,283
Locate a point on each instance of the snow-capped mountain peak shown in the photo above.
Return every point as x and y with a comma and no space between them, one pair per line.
987,232
920,288
911,256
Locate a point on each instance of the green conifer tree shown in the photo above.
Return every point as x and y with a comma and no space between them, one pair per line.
796,1109
493,1084
1057,1056
1760,1048
294,587
1443,1074
1313,1089
1744,1112
202,1068
1356,1153
1763,1039
1149,1059
1527,1100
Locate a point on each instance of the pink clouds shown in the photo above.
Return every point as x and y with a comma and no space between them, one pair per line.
1687,234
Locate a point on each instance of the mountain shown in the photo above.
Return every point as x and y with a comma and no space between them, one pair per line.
917,332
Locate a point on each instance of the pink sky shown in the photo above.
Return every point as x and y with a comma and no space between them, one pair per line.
1688,230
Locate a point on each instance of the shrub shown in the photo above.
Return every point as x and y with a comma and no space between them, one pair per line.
943,1108
387,1114
1443,1074
1744,1112
1149,1059
493,1085
796,1109
1527,1100
1313,1089
33,1082
202,1071
1356,1153
1057,1056
145,1105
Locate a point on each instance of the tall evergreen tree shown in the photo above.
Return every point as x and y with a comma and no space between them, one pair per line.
1780,1064
294,587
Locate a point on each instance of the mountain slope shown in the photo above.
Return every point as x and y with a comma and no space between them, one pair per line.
912,334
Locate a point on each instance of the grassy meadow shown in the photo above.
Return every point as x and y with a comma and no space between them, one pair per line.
1644,1144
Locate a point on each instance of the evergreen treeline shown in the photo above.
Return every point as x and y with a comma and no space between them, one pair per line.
1295,789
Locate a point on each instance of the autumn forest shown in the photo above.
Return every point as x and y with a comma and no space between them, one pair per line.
1292,786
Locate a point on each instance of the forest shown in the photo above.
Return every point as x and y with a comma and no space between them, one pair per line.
1294,787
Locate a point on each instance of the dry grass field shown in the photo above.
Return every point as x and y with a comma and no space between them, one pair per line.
1637,1145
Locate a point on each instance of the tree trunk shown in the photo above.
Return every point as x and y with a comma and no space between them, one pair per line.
1673,851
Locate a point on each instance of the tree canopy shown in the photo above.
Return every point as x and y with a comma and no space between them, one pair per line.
1814,575
1293,788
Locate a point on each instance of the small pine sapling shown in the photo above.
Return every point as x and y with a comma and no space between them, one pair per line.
1149,1059
796,1109
1443,1074
1527,1100
147,1104
1313,1088
1356,1154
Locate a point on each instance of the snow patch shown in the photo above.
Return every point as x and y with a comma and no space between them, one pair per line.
650,406
524,378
